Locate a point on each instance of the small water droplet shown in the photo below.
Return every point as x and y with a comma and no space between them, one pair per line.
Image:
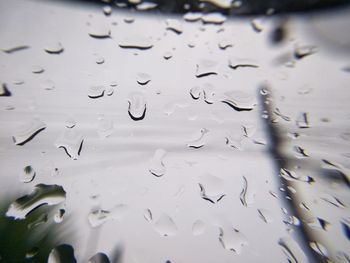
136,41
213,18
41,194
232,240
225,43
99,31
43,218
17,82
304,51
265,215
37,70
72,142
303,120
107,10
105,127
174,25
293,176
129,19
198,139
70,122
137,106
300,152
209,93
4,91
13,49
100,60
99,217
195,92
292,250
234,141
257,25
62,254
48,85
319,223
211,188
146,6
156,166
28,131
31,253
345,225
319,248
198,227
148,215
27,175
165,226
54,48
143,78
247,194
167,55
99,258
58,217
249,130
192,16
206,67
239,100
95,92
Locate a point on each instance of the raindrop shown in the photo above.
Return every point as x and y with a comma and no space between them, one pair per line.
99,217
247,194
100,60
257,25
109,91
54,48
27,175
165,226
156,166
148,215
303,120
292,250
332,200
4,91
249,130
28,131
319,223
107,10
319,248
292,176
211,188
42,194
72,142
37,70
95,92
31,253
43,218
209,93
58,217
129,19
346,228
13,49
17,82
143,78
62,254
113,84
198,228
135,2
198,139
265,215
300,152
192,16
232,240
137,42
344,172
99,31
225,43
239,100
146,6
70,123
99,258
167,55
234,141
137,106
279,113
48,85
292,220
174,25
234,64
219,3
304,51
213,18
195,92
206,67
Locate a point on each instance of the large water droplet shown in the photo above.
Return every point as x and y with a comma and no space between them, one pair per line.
72,142
136,41
42,194
99,258
54,48
28,131
232,240
206,67
156,166
62,254
95,92
137,106
165,226
105,127
48,85
27,175
143,78
198,139
174,25
198,228
211,188
239,100
234,141
247,194
213,18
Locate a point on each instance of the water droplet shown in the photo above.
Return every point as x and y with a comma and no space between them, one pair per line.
292,220
37,70
165,226
249,130
136,41
319,223
198,228
346,228
72,142
219,3
234,141
135,2
27,175
195,92
342,257
213,18
211,187
265,215
31,253
28,131
17,82
99,258
13,49
54,48
99,31
209,93
192,16
43,218
247,194
174,25
100,60
48,85
42,194
206,67
300,152
292,176
105,127
146,6
4,91
332,200
70,123
225,43
279,113
232,240
143,78
241,63
292,250
257,25
107,10
344,172
62,254
304,51
58,217
129,19
319,248
156,166
137,106
239,100
198,139
303,120
148,215
95,92
99,217
167,55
